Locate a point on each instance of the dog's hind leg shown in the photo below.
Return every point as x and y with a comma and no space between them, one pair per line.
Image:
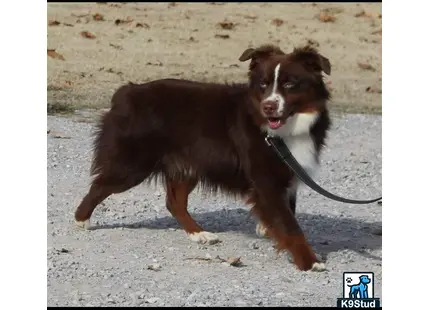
114,175
291,194
260,229
177,202
102,187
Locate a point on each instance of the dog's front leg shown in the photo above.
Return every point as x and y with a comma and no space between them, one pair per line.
275,214
268,178
290,195
282,225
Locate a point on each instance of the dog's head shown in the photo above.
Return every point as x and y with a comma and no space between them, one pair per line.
364,279
285,86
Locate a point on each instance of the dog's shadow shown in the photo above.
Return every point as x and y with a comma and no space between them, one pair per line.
326,234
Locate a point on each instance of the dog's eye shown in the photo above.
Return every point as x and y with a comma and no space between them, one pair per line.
288,85
263,85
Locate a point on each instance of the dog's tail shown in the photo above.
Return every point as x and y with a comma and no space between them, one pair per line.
109,128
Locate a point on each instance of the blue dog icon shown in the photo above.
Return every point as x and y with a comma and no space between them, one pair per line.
359,288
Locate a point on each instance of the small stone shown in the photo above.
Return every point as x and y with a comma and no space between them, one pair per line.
234,261
152,300
239,302
126,285
134,299
154,267
253,245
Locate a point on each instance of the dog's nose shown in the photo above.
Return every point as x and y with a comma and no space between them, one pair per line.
269,107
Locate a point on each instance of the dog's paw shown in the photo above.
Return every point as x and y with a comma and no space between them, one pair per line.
318,267
204,237
261,230
84,225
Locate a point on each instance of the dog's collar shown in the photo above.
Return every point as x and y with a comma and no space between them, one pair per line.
278,145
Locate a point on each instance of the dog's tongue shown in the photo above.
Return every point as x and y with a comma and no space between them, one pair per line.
274,124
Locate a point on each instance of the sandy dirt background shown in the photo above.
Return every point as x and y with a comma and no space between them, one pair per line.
98,46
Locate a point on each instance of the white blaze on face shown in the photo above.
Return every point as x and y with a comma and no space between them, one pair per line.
295,131
275,95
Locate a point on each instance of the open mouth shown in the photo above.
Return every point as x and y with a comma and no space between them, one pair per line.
274,122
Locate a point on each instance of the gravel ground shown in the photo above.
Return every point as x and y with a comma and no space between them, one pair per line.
138,255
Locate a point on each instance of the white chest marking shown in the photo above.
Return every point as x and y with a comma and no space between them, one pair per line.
303,149
298,139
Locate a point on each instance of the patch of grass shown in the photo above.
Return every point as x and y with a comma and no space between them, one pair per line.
54,103
54,88
60,108
348,108
68,100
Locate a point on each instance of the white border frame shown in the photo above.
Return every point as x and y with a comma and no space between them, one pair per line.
405,128
405,164
23,157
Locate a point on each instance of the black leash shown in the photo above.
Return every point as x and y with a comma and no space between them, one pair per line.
281,149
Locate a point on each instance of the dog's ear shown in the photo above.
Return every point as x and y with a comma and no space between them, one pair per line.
263,51
247,54
325,64
260,53
312,59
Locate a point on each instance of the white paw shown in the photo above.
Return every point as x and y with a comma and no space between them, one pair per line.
261,230
204,237
318,267
85,224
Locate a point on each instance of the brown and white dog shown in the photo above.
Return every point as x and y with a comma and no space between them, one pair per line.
190,133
